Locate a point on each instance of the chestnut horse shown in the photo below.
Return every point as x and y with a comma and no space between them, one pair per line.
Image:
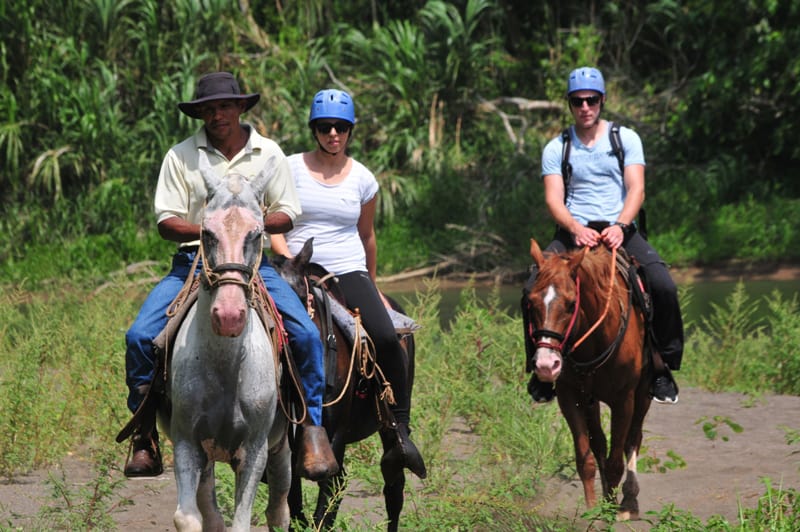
591,342
352,410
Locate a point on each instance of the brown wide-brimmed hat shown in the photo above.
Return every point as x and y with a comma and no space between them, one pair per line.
216,86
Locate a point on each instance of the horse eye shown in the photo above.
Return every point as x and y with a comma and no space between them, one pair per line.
252,245
209,239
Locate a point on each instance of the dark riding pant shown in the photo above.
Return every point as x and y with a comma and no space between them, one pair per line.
362,294
667,320
303,334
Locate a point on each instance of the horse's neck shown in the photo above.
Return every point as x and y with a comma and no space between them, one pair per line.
595,298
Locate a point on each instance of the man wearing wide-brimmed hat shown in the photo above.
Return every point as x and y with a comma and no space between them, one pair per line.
231,146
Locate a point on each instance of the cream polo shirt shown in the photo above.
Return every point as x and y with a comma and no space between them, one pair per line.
181,190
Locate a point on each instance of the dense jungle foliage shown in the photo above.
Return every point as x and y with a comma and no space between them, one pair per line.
455,101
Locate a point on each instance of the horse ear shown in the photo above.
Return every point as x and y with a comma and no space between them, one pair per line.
576,259
259,183
536,253
209,176
304,257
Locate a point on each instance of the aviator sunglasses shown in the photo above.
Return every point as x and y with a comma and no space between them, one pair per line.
340,126
576,101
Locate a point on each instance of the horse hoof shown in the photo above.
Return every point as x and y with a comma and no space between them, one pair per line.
627,515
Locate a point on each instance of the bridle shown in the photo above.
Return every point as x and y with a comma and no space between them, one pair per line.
214,277
564,348
537,335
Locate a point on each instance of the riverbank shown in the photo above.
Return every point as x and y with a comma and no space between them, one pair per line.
731,271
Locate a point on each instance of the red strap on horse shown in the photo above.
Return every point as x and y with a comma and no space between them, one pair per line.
565,337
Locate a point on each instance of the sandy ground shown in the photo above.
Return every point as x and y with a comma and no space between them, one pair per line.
719,475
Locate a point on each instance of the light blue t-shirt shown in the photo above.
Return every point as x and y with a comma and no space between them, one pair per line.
597,191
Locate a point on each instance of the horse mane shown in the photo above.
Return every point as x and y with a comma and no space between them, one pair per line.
595,265
593,268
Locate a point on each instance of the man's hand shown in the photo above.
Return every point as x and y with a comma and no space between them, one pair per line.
613,236
586,236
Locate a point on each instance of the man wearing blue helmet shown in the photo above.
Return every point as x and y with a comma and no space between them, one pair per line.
338,196
597,204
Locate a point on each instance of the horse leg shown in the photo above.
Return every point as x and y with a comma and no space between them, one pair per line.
597,440
393,498
621,415
584,460
331,490
629,508
189,463
279,479
394,483
207,501
295,500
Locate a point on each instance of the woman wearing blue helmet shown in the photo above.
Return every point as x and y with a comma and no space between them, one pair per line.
338,197
598,205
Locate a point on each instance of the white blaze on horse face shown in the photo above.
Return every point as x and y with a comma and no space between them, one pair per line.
548,359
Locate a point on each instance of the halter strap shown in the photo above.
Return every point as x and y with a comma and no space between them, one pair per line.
563,338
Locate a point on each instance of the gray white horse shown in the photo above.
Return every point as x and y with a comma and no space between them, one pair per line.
222,377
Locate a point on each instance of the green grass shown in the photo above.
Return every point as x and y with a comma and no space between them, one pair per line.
62,389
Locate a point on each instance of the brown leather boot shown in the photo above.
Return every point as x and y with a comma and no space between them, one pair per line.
146,459
315,459
404,453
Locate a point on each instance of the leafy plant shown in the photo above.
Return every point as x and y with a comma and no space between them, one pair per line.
711,426
88,507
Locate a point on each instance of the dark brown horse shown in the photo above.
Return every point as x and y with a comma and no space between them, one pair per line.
352,409
591,341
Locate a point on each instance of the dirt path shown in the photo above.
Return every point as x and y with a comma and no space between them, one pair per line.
719,474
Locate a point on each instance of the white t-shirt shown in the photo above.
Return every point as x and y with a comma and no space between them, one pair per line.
330,214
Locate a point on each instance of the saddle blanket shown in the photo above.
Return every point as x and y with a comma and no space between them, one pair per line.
346,321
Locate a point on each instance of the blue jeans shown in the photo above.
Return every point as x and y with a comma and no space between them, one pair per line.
303,334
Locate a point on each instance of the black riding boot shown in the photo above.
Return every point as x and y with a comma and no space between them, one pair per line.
404,453
664,388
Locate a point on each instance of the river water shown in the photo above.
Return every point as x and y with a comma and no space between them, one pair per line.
701,297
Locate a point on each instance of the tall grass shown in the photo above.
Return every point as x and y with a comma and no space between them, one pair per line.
62,391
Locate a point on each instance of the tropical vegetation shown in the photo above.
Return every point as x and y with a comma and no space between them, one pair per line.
455,101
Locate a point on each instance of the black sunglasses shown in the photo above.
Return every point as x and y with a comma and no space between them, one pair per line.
576,101
340,126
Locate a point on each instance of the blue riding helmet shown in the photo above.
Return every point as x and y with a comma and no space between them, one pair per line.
332,103
586,78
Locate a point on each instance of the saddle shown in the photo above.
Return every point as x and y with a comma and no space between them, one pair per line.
328,303
162,347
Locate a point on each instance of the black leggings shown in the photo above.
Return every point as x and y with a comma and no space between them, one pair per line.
362,294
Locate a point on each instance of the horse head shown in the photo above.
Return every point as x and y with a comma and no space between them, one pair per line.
231,245
293,270
553,304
